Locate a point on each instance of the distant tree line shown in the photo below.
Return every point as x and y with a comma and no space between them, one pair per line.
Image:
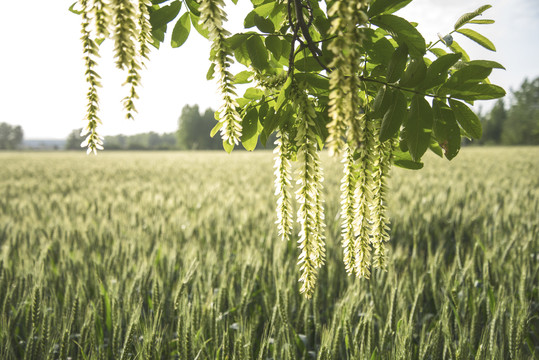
10,136
193,133
144,141
517,123
194,130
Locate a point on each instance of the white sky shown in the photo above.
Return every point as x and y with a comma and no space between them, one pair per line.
42,86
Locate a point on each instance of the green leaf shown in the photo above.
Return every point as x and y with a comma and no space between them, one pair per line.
165,14
242,54
486,63
436,148
193,7
415,73
237,40
211,72
394,116
253,94
273,43
181,31
308,64
404,160
283,94
249,135
257,52
438,52
228,147
242,77
381,51
72,9
438,70
478,38
455,47
446,130
249,20
158,35
314,80
216,129
477,92
464,19
382,102
270,122
265,10
386,6
320,21
418,127
484,21
195,20
471,74
263,24
397,64
403,32
467,119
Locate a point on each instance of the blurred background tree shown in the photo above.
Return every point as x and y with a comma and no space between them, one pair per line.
10,136
194,130
519,123
74,139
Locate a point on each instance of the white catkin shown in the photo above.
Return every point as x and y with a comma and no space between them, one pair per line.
309,197
362,197
283,180
212,17
347,211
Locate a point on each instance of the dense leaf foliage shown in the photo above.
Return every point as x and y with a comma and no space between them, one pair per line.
349,75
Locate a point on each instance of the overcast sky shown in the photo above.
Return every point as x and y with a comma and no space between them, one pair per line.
42,87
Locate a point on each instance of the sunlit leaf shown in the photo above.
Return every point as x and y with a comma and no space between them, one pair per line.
165,14
478,38
181,31
467,119
403,32
437,72
249,124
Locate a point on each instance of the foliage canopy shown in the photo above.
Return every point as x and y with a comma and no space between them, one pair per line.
347,75
10,136
518,124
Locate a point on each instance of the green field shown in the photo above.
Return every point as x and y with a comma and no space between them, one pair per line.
175,256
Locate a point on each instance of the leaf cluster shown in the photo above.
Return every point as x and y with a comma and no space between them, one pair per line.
421,92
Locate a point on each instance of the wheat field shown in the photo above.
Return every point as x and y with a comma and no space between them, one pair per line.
176,256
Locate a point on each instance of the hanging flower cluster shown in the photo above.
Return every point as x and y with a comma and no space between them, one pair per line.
128,24
350,76
212,17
